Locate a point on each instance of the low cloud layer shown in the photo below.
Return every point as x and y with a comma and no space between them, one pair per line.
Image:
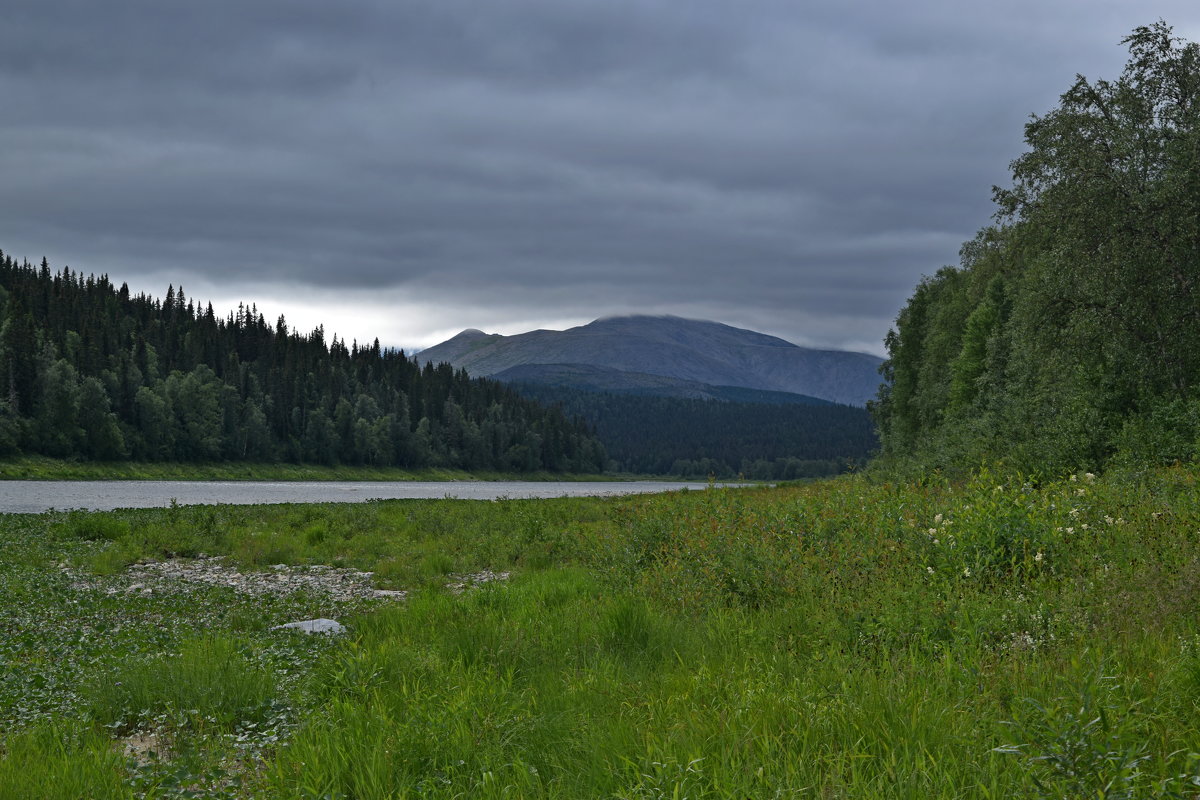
407,169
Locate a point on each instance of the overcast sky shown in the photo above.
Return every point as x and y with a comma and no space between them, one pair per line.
405,169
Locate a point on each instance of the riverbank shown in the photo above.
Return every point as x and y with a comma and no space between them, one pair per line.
35,496
51,469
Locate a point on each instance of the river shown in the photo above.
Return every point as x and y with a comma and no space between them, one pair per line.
33,497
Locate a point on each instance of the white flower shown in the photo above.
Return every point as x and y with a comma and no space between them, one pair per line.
1090,477
1070,530
1081,492
1084,526
1074,512
937,520
1108,520
1038,557
1072,479
929,570
935,541
932,531
966,572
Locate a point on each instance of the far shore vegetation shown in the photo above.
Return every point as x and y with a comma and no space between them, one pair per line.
42,468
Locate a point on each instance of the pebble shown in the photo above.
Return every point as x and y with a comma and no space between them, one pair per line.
173,576
339,584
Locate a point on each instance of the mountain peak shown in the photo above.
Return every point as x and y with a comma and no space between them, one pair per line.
692,350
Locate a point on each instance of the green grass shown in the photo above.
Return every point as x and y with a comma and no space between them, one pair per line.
211,681
851,638
62,761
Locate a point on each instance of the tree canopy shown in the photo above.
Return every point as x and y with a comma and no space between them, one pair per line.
693,437
1070,332
89,371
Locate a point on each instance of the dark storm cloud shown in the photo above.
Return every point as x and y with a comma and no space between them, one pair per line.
795,165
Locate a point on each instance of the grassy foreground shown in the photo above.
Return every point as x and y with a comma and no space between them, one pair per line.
41,468
852,638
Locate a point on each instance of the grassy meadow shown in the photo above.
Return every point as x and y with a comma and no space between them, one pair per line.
1000,637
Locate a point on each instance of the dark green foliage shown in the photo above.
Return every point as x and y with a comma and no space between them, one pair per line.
93,527
673,435
1071,332
211,673
18,350
89,371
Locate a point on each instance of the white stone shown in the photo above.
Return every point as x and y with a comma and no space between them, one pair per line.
322,625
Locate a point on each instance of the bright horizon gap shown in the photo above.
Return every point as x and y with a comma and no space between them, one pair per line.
401,323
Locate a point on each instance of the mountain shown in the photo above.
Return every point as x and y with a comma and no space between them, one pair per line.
587,377
701,352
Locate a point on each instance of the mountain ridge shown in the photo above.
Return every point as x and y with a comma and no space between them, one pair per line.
587,377
699,351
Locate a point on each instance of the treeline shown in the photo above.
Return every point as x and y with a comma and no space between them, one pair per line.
1070,334
89,371
676,436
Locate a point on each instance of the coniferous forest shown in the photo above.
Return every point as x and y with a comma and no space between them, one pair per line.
697,437
1069,337
89,371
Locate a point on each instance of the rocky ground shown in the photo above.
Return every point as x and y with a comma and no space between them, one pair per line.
66,632
180,576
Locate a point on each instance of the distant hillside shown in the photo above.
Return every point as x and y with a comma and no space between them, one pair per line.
602,379
696,351
697,437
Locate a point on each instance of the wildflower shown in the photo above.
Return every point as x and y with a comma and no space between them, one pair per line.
1038,557
1072,479
937,520
1081,492
932,531
1069,530
929,570
1084,526
1090,477
935,541
1108,520
1074,512
966,572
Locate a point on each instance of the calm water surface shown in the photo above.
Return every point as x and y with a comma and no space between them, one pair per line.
31,497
